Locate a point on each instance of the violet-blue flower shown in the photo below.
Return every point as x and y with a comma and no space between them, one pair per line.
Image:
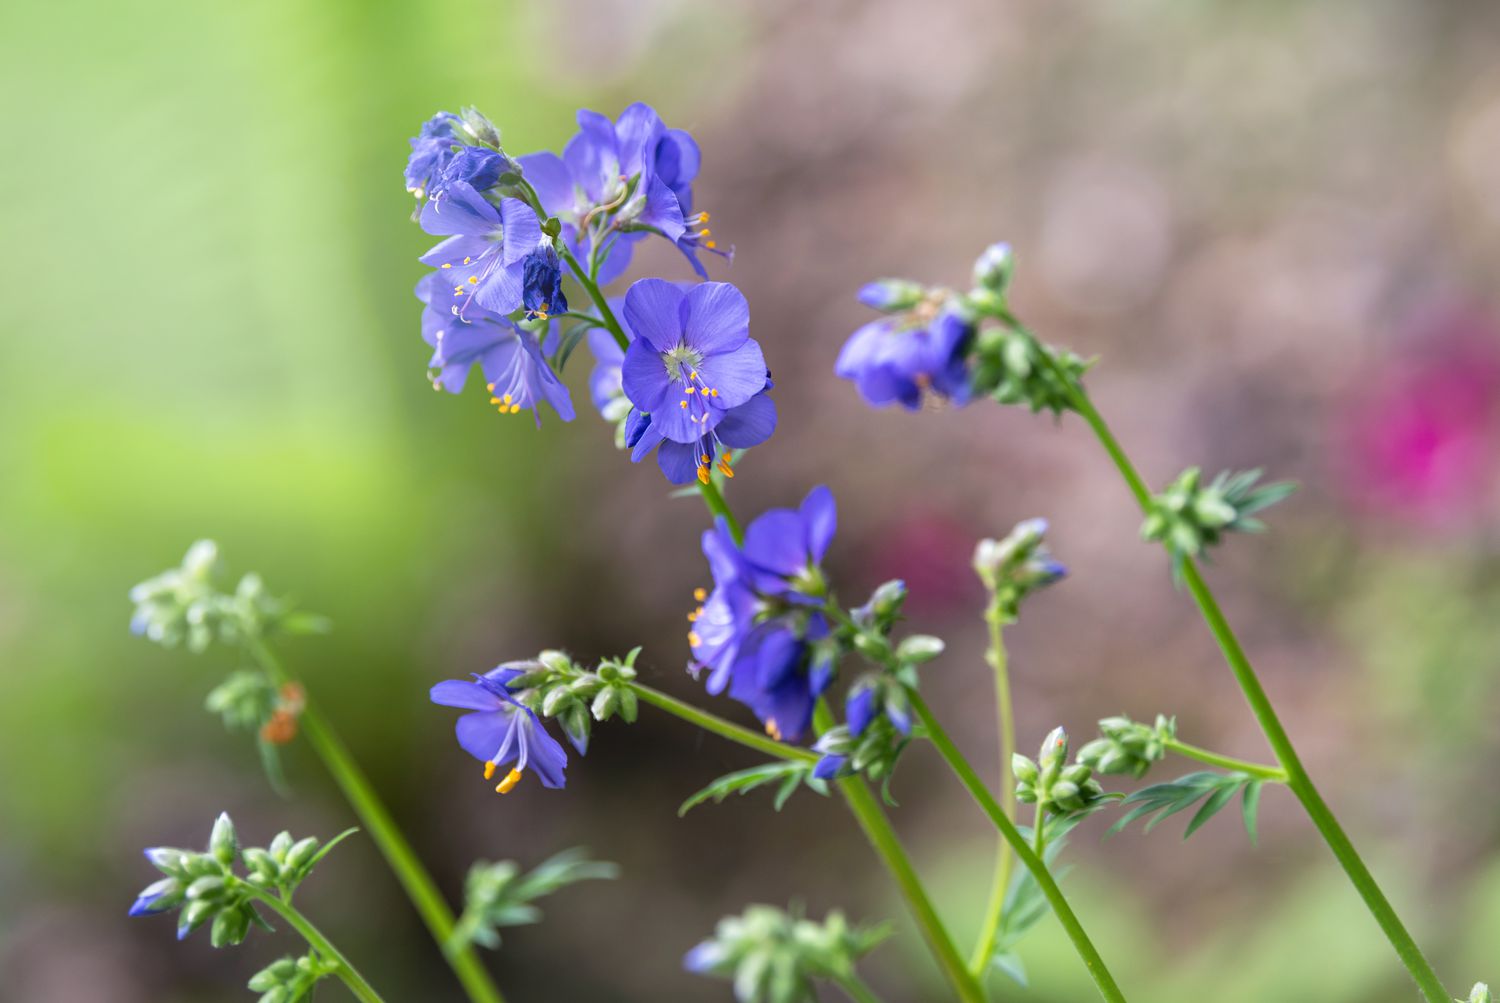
692,358
501,730
741,427
431,149
902,356
515,371
784,548
485,254
617,181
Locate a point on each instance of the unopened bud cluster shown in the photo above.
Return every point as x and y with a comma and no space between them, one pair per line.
1051,783
288,980
1190,516
773,956
1013,568
498,894
1128,747
556,687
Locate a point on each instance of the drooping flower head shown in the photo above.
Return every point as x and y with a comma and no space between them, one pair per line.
491,255
515,371
501,731
691,362
618,181
758,632
919,347
431,149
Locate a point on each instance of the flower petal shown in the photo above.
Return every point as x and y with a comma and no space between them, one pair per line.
679,461
776,542
820,517
716,318
748,425
461,211
549,176
653,309
521,230
481,735
737,375
459,693
643,377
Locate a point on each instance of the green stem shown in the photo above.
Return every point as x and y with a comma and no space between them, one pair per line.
718,726
1105,982
979,961
377,821
1273,773
714,499
1039,832
1270,724
855,989
319,943
592,289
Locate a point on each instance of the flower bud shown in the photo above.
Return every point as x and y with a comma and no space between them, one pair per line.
892,295
1480,994
221,842
919,648
1023,769
1054,749
994,267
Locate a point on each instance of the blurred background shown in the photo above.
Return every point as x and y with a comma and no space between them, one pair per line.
1277,224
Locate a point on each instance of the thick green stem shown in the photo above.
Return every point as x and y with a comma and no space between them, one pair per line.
1286,754
1103,980
322,945
714,499
979,961
1272,773
377,821
592,289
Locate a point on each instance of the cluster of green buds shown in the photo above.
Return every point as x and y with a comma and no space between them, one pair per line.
877,731
556,687
187,605
498,894
204,887
288,980
1190,516
1051,783
774,956
1013,568
1013,367
1127,746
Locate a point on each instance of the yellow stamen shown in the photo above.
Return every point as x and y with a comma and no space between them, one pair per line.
682,403
494,400
713,393
506,398
515,409
489,769
693,616
773,730
704,457
705,215
509,783
447,264
693,639
704,232
700,594
710,244
473,280
703,473
691,390
724,468
467,260
490,387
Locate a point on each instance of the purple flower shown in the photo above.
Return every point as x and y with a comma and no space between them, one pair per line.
500,730
484,257
474,166
741,427
605,389
757,633
692,358
618,181
898,358
431,149
157,897
516,375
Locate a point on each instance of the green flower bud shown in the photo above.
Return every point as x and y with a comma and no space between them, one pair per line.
222,842
301,853
1023,769
230,927
919,648
994,267
1054,751
1480,994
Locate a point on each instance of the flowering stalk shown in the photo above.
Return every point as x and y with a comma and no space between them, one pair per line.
1030,858
350,976
979,961
403,861
585,279
1274,774
1296,776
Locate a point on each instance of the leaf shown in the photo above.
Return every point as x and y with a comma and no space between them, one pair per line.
1010,964
790,775
1161,801
1250,804
323,852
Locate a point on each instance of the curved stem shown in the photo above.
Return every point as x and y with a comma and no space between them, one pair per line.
1004,859
1103,980
315,939
403,861
1274,774
718,726
1270,724
592,289
714,499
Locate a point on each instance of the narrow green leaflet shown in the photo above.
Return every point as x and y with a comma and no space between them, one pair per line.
788,776
1214,790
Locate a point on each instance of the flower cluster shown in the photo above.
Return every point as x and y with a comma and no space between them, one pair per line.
1013,568
1127,746
1050,783
680,376
777,957
1190,516
762,633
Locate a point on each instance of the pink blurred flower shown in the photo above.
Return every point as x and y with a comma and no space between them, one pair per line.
1422,437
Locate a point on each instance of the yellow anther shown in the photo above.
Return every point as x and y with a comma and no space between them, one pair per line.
691,390
693,639
458,290
489,769
704,458
773,730
542,310
506,398
704,232
494,400
705,215
490,387
447,264
509,783
467,260
515,409
693,616
693,374
473,280
703,473
710,244
700,593
714,392
725,469
682,404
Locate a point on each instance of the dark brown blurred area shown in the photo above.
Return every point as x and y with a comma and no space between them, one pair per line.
1276,225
